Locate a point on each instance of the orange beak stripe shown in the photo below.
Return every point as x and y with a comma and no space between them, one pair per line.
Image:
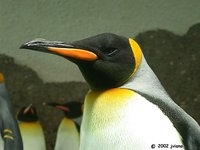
27,109
74,53
63,108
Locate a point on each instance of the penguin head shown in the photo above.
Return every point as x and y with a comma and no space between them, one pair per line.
27,114
71,109
105,60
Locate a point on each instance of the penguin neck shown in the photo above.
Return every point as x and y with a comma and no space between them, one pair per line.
71,123
144,81
28,122
77,120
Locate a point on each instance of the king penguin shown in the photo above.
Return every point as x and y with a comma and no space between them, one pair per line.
68,136
31,130
126,107
10,137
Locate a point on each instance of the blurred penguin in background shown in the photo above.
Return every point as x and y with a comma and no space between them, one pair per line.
31,130
68,137
10,138
3,89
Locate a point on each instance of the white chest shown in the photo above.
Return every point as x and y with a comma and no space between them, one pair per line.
120,119
67,136
32,136
1,143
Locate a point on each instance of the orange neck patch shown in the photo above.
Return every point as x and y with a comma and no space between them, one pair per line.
1,78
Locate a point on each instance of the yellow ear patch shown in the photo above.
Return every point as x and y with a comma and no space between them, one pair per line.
8,134
137,53
82,107
1,78
7,131
8,137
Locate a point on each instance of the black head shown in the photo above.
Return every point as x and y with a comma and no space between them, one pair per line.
27,114
106,60
71,109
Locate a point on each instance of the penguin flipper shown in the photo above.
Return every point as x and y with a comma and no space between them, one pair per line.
193,143
9,128
187,127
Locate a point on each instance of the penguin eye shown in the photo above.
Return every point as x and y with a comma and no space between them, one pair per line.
109,51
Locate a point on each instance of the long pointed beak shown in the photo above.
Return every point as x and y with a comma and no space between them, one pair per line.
60,48
27,108
57,106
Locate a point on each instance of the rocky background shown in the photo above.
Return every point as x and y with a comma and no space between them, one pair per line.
175,60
